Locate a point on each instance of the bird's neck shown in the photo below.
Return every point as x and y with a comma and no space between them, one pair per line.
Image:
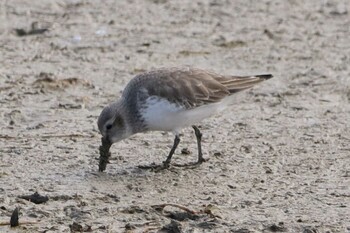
135,122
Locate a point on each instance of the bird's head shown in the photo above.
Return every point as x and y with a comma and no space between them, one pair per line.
112,123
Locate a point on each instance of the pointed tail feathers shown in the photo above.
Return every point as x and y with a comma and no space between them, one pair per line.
239,83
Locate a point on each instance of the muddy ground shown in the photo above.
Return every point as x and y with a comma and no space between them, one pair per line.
279,159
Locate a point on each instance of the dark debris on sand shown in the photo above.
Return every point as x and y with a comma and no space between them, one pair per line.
35,198
14,221
104,154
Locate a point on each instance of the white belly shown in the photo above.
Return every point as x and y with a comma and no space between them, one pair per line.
163,115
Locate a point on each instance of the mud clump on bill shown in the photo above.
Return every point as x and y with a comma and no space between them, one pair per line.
104,154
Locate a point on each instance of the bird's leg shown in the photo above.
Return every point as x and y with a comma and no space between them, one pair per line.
172,151
199,144
166,163
200,154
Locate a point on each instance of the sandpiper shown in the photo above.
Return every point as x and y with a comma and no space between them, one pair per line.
169,100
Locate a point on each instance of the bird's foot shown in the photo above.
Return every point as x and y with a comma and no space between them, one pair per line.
155,167
166,165
191,164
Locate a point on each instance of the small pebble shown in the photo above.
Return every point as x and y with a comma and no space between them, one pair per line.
185,151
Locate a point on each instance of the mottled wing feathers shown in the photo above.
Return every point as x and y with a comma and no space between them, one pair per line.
191,87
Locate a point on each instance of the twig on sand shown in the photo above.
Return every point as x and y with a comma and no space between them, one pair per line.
48,136
22,223
14,220
208,210
7,137
147,226
67,136
162,206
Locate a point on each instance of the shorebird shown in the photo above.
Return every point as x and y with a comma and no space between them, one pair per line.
169,100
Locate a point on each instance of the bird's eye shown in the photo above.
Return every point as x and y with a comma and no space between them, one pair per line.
109,126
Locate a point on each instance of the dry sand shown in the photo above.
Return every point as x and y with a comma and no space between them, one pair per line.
279,159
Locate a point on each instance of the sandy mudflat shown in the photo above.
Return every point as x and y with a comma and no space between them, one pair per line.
279,159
